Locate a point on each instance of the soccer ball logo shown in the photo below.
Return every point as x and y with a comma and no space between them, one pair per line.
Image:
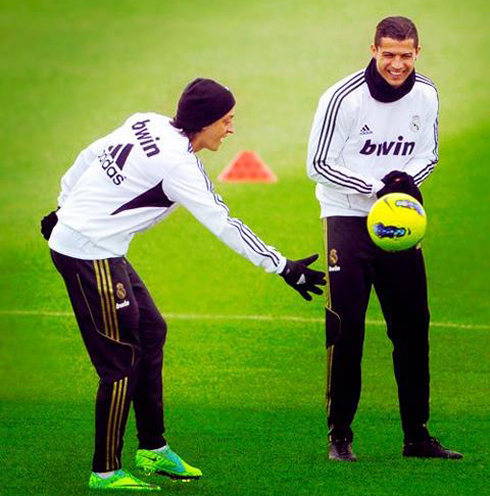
396,222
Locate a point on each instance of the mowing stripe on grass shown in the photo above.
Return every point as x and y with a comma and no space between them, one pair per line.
198,316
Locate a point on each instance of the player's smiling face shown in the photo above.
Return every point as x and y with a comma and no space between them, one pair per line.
211,137
395,59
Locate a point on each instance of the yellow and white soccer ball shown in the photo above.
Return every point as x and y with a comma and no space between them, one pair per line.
396,222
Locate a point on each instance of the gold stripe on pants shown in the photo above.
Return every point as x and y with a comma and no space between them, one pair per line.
119,390
107,301
112,302
98,277
328,304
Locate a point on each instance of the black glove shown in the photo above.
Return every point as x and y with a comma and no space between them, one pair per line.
301,278
400,182
47,223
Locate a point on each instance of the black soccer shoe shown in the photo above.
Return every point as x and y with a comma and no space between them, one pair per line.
429,448
341,451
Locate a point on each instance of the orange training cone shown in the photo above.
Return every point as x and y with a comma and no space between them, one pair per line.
248,167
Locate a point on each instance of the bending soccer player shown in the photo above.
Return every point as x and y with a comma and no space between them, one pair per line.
375,132
122,184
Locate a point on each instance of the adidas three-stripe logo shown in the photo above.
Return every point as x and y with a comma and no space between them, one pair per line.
112,161
365,130
120,153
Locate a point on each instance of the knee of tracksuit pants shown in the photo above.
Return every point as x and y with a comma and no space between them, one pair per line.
153,340
124,363
352,329
347,353
160,336
348,350
412,328
156,335
346,363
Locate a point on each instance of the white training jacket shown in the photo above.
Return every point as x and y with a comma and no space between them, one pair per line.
133,178
356,140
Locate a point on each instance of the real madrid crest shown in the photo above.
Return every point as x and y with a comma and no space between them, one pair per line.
120,290
415,123
333,258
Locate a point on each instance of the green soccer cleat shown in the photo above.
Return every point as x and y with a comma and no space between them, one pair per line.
165,462
120,480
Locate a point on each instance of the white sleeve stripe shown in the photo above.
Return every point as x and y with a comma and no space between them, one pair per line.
421,178
332,107
259,242
252,241
326,136
436,134
426,171
246,234
206,178
424,79
425,82
345,180
332,111
331,173
436,140
209,186
219,201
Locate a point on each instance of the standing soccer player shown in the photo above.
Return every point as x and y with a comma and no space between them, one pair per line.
120,185
375,132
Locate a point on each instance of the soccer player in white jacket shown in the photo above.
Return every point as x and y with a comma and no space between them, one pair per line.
121,185
375,132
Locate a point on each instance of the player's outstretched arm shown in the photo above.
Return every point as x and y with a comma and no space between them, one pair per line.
304,280
189,185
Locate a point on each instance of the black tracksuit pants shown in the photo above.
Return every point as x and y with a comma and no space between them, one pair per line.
355,264
124,334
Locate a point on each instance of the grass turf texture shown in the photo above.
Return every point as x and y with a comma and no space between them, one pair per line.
244,398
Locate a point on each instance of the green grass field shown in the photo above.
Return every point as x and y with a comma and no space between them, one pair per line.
245,371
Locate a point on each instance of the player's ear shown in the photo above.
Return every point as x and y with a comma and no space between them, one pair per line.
373,49
417,51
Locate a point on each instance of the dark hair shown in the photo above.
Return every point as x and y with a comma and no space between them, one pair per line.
190,134
398,28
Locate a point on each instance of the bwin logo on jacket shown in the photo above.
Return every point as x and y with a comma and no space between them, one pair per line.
145,139
398,147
